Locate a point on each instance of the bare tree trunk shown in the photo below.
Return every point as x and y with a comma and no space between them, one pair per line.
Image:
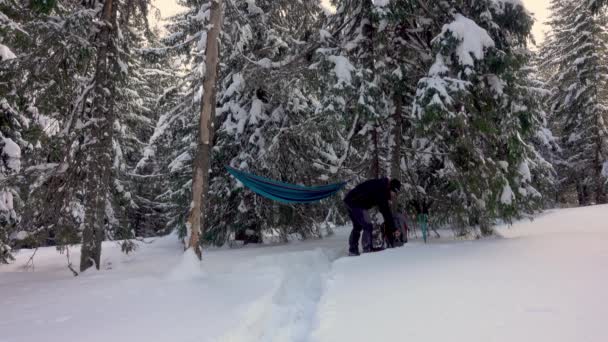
200,178
97,158
396,157
376,155
600,194
582,189
368,30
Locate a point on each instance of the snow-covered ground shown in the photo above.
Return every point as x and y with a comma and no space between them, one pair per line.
546,280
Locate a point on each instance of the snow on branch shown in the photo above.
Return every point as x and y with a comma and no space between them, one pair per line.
6,53
473,40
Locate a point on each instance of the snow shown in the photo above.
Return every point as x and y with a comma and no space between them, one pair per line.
381,3
438,68
496,84
236,86
253,9
504,165
49,125
324,35
20,235
6,201
524,171
188,268
77,211
544,282
6,53
124,67
12,154
255,113
546,137
473,39
507,195
541,280
178,163
342,69
574,137
512,2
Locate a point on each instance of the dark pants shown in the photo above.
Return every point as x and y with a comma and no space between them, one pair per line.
361,222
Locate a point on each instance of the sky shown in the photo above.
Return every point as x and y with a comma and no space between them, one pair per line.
537,7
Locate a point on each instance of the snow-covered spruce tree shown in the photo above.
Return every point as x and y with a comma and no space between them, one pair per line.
573,61
373,54
8,216
475,116
111,110
26,107
73,194
261,47
262,104
155,171
342,140
351,70
171,148
137,101
547,150
148,177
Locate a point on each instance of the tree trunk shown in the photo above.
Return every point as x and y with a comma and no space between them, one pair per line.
583,194
376,156
97,155
396,157
600,194
200,179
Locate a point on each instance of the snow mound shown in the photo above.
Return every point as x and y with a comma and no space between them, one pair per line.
188,268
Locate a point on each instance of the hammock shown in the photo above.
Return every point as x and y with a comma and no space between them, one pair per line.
284,192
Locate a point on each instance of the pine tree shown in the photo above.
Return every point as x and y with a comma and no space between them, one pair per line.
475,116
263,100
174,136
364,69
76,187
260,48
573,63
136,102
28,105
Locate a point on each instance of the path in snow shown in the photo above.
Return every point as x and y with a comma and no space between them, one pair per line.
287,311
158,294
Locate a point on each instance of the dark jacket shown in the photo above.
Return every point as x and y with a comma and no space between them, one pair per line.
372,193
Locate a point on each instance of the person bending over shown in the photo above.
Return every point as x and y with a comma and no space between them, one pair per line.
369,194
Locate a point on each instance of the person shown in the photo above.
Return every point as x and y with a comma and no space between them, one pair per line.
369,194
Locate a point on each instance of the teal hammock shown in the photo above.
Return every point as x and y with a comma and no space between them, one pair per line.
284,192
